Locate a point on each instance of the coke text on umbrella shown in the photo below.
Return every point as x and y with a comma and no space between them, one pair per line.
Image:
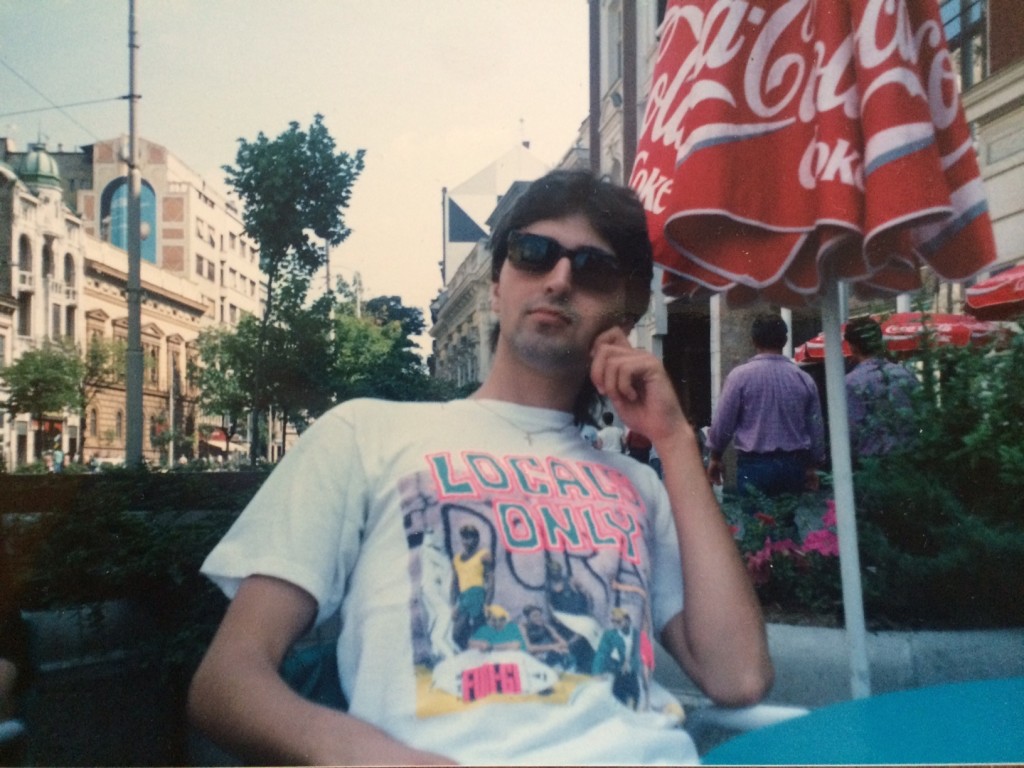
907,331
781,134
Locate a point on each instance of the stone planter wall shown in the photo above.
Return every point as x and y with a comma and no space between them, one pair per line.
812,666
91,700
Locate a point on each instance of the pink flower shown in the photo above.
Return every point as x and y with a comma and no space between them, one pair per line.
759,563
824,542
829,518
785,547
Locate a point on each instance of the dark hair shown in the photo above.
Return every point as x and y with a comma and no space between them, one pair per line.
864,334
769,331
614,212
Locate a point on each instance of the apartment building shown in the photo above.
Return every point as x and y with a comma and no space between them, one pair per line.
63,274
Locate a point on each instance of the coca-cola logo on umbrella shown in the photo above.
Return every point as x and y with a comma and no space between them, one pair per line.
906,332
779,135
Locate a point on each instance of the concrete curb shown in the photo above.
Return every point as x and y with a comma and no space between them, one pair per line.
812,665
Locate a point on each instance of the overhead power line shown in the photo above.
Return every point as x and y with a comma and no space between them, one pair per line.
50,101
62,106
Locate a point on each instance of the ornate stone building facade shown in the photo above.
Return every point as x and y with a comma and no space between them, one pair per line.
462,321
61,277
42,257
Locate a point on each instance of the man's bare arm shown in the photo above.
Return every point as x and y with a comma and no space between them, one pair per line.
719,638
239,699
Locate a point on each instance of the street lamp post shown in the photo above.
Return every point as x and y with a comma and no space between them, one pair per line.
133,369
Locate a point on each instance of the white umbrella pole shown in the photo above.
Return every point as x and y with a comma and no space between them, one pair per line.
842,475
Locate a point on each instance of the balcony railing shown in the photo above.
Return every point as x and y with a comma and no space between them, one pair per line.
26,280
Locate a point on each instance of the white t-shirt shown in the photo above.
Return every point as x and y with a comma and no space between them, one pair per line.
611,438
367,512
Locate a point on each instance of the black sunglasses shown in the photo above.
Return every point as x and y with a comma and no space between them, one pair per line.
592,268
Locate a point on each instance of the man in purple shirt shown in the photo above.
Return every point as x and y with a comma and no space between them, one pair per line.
878,394
771,409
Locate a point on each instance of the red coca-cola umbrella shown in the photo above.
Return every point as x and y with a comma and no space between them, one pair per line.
788,145
906,332
1000,297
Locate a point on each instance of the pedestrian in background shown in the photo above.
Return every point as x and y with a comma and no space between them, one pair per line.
771,409
611,436
879,394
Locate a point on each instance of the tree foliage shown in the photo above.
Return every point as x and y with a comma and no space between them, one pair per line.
292,186
318,354
43,380
57,376
294,189
224,372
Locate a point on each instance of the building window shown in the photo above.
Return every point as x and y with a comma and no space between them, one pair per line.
24,254
24,314
3,351
152,363
199,265
965,25
93,422
55,326
119,425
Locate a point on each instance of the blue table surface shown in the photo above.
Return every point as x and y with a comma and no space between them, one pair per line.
975,722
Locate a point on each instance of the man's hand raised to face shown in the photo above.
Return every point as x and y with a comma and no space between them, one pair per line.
638,387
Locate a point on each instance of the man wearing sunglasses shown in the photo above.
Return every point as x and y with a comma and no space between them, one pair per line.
345,521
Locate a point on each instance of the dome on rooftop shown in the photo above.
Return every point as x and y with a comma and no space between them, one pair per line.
38,168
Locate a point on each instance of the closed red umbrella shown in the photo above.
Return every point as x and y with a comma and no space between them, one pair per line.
1000,297
790,144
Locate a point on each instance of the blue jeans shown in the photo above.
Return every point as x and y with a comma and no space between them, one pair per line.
773,474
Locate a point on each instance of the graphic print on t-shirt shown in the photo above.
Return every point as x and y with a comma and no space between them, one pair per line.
530,579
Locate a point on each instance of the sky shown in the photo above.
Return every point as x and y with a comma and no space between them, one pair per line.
433,90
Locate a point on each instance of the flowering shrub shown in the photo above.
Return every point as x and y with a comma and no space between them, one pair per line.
791,551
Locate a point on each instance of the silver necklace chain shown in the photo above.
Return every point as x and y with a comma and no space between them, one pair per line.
528,433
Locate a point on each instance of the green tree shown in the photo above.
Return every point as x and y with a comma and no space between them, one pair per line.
387,309
318,354
224,373
44,380
299,365
361,348
293,187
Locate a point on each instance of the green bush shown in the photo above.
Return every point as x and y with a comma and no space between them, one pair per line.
81,540
970,420
926,562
